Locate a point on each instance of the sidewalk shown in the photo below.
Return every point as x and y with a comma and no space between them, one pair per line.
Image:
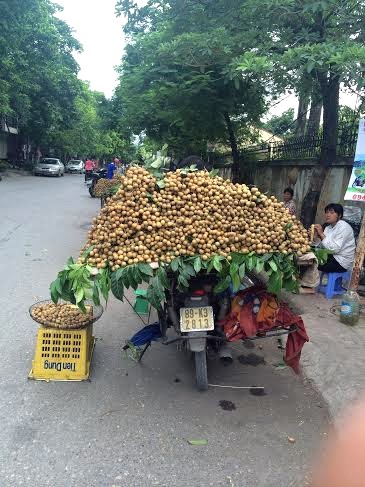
333,360
14,173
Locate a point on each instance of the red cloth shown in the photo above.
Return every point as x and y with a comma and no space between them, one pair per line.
243,322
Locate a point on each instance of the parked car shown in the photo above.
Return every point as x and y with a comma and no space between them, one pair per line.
49,166
75,166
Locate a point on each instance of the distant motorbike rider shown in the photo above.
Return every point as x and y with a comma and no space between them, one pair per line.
89,166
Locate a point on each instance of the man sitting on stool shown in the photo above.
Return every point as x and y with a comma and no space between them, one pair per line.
338,237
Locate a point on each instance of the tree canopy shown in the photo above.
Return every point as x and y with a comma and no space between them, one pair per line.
175,79
281,125
39,87
38,81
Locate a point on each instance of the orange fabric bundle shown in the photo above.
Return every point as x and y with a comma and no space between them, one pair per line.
245,321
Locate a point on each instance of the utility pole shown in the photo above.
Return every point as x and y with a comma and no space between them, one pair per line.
359,258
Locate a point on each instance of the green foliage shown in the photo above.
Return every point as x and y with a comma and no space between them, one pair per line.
321,254
175,81
281,125
38,72
78,283
39,85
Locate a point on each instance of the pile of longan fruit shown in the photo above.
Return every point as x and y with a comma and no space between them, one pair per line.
62,315
104,185
194,214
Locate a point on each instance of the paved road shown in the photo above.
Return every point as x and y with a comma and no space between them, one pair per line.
130,424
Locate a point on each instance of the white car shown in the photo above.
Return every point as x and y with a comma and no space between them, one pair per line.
75,166
49,166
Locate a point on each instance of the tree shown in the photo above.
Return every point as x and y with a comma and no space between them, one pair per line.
38,73
281,125
175,81
321,39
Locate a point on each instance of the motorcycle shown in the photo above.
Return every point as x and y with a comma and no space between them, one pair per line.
93,179
194,315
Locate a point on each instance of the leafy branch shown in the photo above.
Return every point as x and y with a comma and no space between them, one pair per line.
78,282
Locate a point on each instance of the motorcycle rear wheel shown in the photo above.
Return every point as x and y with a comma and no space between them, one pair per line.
201,370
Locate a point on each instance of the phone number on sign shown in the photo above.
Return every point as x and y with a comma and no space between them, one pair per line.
358,197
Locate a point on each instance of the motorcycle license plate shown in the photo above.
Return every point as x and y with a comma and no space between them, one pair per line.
196,319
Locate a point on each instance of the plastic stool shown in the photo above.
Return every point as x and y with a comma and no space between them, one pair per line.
333,287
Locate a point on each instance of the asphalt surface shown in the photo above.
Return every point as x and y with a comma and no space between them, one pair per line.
130,424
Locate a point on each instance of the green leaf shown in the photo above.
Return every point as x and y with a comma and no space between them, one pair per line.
70,261
222,285
217,263
124,276
198,442
242,271
236,282
162,276
273,265
79,295
117,285
157,163
174,265
161,183
238,258
152,298
250,263
145,269
58,286
54,293
275,283
233,270
197,264
95,296
259,265
210,265
104,283
81,305
187,270
182,281
130,275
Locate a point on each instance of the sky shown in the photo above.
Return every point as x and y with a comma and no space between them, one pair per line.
100,32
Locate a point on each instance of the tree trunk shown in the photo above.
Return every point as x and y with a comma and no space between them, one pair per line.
314,115
234,149
330,95
330,89
302,115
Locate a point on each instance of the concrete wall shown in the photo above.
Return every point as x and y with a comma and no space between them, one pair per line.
3,146
274,177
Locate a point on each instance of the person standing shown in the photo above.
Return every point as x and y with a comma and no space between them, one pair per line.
111,169
288,201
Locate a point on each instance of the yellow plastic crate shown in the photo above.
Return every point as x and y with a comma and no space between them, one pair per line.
62,354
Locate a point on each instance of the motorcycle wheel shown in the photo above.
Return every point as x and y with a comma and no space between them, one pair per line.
91,191
201,370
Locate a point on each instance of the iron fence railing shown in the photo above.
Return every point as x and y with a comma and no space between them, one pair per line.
305,147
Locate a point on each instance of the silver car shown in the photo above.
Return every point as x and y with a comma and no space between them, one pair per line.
75,166
49,167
